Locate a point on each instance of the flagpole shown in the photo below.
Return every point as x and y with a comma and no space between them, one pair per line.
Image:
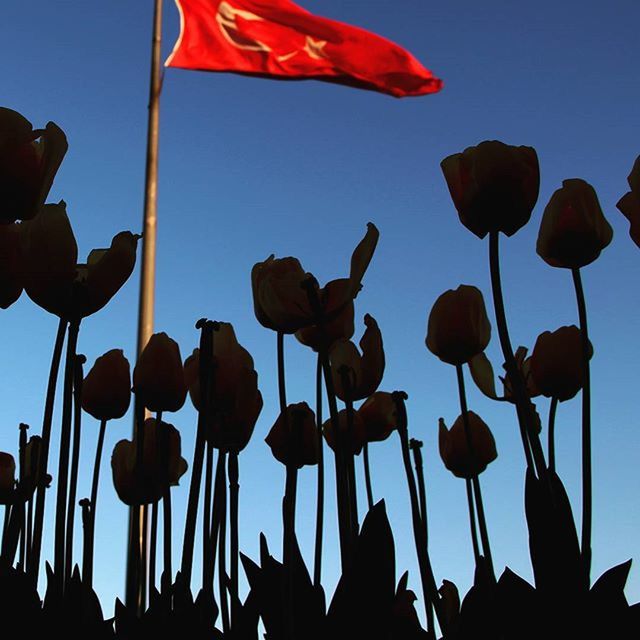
135,588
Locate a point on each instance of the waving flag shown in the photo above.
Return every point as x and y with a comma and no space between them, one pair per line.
278,39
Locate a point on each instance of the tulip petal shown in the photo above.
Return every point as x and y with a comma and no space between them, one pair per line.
361,257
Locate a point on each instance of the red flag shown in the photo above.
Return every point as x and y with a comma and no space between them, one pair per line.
278,39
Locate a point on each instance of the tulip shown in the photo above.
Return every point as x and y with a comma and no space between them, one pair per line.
11,265
629,204
28,163
458,327
293,439
378,413
462,461
53,278
32,473
573,230
494,186
281,300
236,401
353,440
556,363
148,483
7,477
158,377
364,371
106,389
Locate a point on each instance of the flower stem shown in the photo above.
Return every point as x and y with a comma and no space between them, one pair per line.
208,547
63,465
222,545
23,525
88,565
586,428
367,475
79,360
472,523
429,589
317,566
234,491
289,522
475,481
205,375
551,434
34,555
530,440
153,546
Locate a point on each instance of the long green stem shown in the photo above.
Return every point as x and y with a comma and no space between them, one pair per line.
88,565
551,435
475,481
530,440
34,555
75,461
317,565
586,428
234,491
205,373
63,465
429,589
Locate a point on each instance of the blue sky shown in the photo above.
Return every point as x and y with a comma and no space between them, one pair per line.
252,167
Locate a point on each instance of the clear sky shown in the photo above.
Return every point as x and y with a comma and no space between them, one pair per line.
252,167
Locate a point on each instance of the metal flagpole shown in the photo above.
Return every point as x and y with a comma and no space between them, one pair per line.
136,566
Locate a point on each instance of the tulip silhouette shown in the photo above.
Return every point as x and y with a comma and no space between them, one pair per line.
573,230
106,389
7,477
494,186
53,278
140,478
352,439
378,414
293,438
629,204
28,163
11,265
458,327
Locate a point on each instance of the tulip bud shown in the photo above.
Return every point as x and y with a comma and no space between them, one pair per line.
279,300
293,439
458,327
378,414
494,186
573,230
352,439
27,167
363,372
556,363
7,477
158,377
32,465
148,482
629,204
462,461
106,389
11,265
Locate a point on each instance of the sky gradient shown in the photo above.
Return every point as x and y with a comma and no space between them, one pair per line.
250,167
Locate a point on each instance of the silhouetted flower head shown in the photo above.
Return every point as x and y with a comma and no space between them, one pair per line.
573,230
11,265
106,389
280,297
556,363
28,163
357,376
145,483
629,204
235,400
7,477
494,186
462,461
352,439
158,377
293,439
53,278
378,414
458,326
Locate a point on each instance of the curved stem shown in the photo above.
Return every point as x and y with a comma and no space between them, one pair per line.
93,500
75,461
367,475
63,464
416,446
586,427
34,555
551,435
317,565
530,440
